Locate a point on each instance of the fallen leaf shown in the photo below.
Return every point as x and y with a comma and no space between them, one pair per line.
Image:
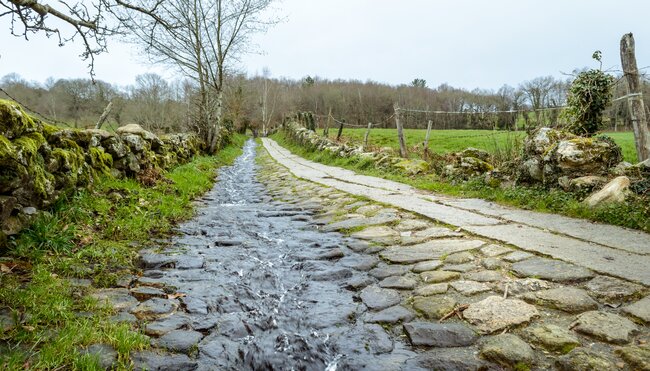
176,295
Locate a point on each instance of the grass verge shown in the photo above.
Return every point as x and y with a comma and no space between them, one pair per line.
634,214
46,318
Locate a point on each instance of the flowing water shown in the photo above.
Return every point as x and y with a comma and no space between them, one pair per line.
267,289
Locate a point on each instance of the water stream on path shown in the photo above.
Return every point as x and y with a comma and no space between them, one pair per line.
266,288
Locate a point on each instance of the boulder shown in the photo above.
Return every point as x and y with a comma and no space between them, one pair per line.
135,129
412,167
551,154
474,152
467,167
587,156
614,192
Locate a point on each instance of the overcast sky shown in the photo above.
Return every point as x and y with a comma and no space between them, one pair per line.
465,43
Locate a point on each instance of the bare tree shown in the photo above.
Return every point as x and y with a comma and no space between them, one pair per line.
537,92
91,21
202,39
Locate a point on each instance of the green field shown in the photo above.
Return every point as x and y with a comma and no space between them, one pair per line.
446,141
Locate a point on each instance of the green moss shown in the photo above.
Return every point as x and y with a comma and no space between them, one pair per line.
27,146
100,160
68,160
567,348
14,121
7,151
42,181
48,130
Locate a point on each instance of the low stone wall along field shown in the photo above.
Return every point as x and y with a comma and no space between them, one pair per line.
40,163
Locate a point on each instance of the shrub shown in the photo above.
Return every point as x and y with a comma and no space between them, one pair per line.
589,95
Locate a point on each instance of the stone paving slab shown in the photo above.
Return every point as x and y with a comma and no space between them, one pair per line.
431,250
611,250
621,238
596,257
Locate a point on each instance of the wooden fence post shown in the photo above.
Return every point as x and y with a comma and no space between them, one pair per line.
104,116
338,135
635,99
400,132
426,140
365,137
326,131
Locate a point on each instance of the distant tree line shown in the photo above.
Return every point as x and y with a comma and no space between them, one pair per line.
261,102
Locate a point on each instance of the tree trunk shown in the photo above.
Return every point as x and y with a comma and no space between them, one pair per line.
216,126
635,102
400,133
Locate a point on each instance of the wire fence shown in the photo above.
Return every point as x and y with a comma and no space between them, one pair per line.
33,111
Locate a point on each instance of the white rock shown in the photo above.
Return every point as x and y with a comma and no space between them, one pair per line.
614,191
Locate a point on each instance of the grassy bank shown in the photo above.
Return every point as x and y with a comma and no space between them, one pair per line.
446,141
633,215
46,317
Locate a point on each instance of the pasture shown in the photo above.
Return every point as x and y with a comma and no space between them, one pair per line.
448,141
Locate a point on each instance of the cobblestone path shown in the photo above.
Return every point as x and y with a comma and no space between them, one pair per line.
280,273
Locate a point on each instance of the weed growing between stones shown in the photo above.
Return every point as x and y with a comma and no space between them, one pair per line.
46,314
634,214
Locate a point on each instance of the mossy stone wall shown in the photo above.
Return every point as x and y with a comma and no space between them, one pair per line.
39,163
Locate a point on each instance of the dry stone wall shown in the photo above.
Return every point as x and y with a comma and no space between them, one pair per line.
39,163
386,158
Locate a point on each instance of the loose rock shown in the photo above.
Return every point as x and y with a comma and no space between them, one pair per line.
398,282
612,290
384,271
517,256
639,310
378,298
507,350
459,258
567,299
484,276
434,307
582,359
391,315
606,327
470,287
637,357
428,290
427,266
495,250
182,341
440,335
552,337
496,313
151,361
439,276
153,309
